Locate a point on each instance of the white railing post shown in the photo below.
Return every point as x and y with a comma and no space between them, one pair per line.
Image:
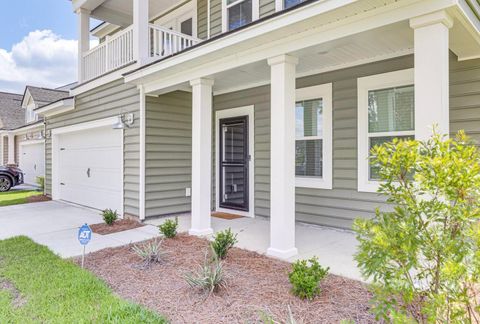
83,34
140,31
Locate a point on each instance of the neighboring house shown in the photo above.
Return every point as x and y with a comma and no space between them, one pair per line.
11,116
264,108
24,144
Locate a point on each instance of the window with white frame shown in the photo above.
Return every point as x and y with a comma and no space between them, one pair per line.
238,13
30,115
386,110
313,137
290,3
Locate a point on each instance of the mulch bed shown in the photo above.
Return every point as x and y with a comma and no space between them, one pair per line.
37,198
119,226
256,285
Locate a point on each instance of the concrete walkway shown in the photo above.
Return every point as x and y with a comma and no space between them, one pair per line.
334,248
55,224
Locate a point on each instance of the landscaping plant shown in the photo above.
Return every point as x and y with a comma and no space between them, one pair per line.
209,277
109,216
222,242
306,276
150,251
422,255
169,228
41,182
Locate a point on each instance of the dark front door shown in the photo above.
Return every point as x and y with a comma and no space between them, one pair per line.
233,164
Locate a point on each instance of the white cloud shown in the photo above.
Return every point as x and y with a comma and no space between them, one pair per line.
42,58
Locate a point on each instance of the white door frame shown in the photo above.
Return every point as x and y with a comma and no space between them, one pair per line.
237,112
80,127
32,142
174,17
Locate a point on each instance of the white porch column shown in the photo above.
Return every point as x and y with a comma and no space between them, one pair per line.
201,156
83,33
282,157
431,73
11,149
140,31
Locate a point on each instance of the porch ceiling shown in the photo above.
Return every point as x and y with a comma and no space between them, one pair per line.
119,12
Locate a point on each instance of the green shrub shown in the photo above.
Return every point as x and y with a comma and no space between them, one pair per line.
422,256
41,182
109,216
150,251
305,278
169,227
209,277
222,242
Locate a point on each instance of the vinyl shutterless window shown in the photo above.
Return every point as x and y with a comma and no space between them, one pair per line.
239,13
391,114
290,3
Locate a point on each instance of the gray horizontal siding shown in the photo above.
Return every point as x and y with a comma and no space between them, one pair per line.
108,100
202,19
465,97
168,153
5,150
215,17
267,7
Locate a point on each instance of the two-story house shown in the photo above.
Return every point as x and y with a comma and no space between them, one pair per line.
263,108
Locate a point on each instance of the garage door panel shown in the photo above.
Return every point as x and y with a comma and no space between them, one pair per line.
90,168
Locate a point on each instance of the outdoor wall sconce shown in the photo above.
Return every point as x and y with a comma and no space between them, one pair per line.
124,121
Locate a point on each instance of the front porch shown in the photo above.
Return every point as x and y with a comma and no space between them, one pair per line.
333,247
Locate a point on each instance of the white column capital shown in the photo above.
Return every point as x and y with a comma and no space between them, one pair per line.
202,81
284,58
437,17
83,11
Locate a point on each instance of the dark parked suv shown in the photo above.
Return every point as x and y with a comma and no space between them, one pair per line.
10,177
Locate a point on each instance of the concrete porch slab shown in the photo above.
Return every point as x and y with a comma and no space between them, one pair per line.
333,247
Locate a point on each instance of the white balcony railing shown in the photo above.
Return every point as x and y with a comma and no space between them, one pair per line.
165,42
117,50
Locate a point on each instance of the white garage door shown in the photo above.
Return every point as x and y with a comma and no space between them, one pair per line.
32,162
90,168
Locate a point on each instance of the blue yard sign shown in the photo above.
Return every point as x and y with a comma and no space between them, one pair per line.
84,234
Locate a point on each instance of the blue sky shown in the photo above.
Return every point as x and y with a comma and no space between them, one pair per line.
19,17
37,44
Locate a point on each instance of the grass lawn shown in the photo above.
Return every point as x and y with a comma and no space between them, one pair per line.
16,197
36,286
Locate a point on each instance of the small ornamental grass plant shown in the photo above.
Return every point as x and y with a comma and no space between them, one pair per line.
422,256
150,252
223,241
169,227
109,216
209,276
305,278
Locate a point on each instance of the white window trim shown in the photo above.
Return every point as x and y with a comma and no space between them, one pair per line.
364,85
236,112
323,91
255,12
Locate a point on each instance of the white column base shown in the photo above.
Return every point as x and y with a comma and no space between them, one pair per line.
282,254
200,232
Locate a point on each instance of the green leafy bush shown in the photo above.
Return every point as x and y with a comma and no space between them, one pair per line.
223,241
169,227
209,277
41,182
305,278
109,216
422,256
150,251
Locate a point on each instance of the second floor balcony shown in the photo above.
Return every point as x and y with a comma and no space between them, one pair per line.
117,50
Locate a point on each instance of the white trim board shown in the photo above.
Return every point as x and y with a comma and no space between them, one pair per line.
323,91
373,82
236,112
77,128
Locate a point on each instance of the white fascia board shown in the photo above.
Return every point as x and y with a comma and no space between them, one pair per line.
56,108
204,60
21,130
86,4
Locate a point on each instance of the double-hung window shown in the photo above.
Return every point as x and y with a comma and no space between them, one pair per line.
238,13
386,110
313,137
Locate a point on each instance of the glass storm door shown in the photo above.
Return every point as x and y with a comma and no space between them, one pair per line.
234,159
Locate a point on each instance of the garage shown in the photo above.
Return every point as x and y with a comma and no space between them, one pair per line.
90,167
32,161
